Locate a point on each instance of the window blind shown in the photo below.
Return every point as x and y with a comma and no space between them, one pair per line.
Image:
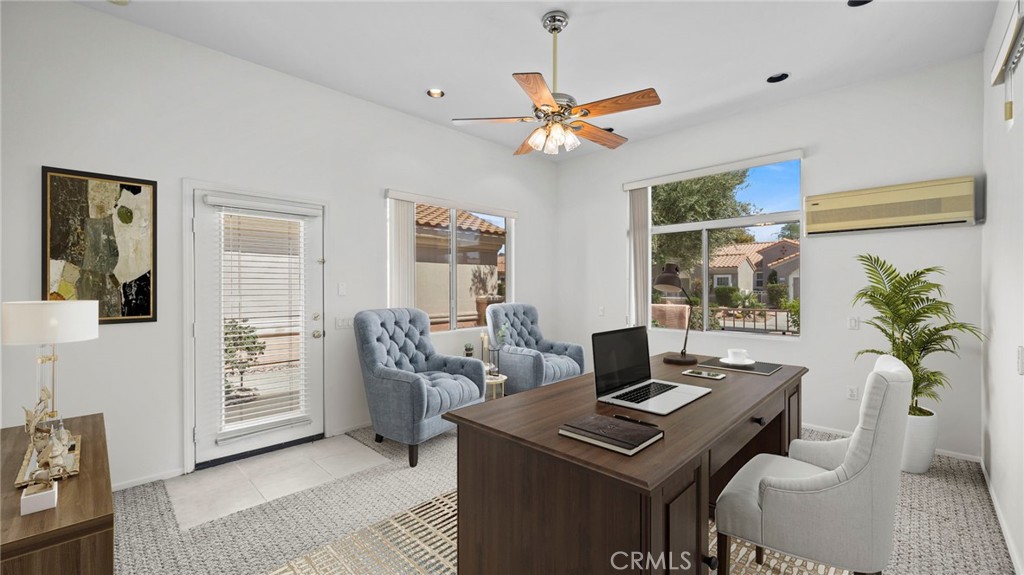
401,253
262,321
640,253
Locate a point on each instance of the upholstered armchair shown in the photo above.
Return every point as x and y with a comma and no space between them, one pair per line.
829,501
409,386
525,356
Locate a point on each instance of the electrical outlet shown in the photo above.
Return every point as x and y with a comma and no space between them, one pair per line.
342,289
853,322
343,323
851,392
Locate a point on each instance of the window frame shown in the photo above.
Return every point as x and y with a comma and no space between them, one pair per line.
705,227
453,206
728,278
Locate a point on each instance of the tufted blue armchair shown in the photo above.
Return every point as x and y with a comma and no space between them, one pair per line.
526,357
409,386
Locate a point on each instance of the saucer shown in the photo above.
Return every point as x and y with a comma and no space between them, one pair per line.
727,361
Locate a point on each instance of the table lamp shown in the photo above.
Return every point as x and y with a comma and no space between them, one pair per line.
668,281
45,324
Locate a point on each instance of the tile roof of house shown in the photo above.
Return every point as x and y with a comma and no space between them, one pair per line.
784,259
731,255
434,216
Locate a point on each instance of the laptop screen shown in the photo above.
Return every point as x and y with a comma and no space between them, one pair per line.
621,358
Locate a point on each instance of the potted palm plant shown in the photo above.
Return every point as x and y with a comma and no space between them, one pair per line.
916,323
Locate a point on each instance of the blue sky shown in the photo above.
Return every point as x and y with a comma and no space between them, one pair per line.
772,188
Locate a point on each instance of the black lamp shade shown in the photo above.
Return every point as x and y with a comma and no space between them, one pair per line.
668,280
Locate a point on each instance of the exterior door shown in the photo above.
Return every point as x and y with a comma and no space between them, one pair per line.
259,326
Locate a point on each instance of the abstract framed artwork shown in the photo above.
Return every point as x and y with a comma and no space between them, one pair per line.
99,242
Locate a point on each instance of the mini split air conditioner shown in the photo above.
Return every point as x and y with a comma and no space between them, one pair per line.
936,202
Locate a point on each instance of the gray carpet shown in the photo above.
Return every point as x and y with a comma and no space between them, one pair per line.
945,523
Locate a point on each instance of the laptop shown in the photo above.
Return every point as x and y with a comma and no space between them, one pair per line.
622,371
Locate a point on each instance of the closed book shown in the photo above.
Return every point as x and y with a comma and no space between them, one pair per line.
618,435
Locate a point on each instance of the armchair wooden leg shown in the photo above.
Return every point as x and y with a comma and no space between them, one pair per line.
414,455
378,438
759,554
859,573
723,554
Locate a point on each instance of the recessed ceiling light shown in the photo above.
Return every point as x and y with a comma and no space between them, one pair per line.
856,3
435,93
775,79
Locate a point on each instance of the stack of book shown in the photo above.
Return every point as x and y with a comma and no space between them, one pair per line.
618,435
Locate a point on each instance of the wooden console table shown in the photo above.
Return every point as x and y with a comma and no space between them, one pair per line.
75,538
566,506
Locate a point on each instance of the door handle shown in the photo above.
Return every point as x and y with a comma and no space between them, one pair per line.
317,334
759,420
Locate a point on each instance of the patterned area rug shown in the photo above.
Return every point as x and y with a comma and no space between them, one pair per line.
945,524
424,540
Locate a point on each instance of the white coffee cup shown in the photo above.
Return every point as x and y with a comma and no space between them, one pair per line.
738,355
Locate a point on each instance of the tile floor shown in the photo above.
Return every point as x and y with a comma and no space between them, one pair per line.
219,491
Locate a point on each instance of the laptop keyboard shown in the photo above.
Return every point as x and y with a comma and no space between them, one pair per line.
643,393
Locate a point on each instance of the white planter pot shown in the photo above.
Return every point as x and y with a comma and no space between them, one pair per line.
919,447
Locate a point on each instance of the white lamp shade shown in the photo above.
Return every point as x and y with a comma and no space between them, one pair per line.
48,322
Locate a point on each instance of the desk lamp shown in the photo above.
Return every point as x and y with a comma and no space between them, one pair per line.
669,282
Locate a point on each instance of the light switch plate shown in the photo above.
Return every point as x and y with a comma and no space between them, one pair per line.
1020,359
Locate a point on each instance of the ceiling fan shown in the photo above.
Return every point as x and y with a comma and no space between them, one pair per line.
561,116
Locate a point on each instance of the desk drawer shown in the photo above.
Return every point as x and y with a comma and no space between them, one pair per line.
741,434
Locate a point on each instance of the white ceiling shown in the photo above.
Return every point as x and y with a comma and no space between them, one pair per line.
706,59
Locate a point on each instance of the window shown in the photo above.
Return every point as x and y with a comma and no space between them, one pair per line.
744,221
458,263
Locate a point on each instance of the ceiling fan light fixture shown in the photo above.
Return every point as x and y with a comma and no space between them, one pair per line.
571,141
537,138
557,134
550,147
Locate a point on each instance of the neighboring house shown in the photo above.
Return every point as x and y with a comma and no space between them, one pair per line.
748,265
480,261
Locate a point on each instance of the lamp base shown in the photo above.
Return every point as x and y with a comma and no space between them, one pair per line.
680,359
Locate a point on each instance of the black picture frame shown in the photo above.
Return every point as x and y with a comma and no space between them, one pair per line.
99,241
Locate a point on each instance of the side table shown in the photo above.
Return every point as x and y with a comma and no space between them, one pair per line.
78,536
492,384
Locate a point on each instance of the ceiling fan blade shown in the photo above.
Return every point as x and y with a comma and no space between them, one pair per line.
509,120
537,89
525,147
620,103
597,135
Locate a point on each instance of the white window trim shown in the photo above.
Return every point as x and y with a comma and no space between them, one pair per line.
717,169
704,227
510,224
190,188
726,276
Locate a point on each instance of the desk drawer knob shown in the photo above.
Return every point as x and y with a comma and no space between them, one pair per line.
760,421
711,562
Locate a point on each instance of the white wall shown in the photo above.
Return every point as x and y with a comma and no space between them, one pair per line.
1002,285
86,91
917,127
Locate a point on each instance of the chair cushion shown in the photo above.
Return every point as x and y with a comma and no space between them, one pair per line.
446,392
738,511
559,367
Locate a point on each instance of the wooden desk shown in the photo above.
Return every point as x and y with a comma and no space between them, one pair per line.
532,501
75,538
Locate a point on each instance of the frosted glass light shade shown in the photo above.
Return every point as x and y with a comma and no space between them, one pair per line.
536,140
550,147
571,141
557,133
49,322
